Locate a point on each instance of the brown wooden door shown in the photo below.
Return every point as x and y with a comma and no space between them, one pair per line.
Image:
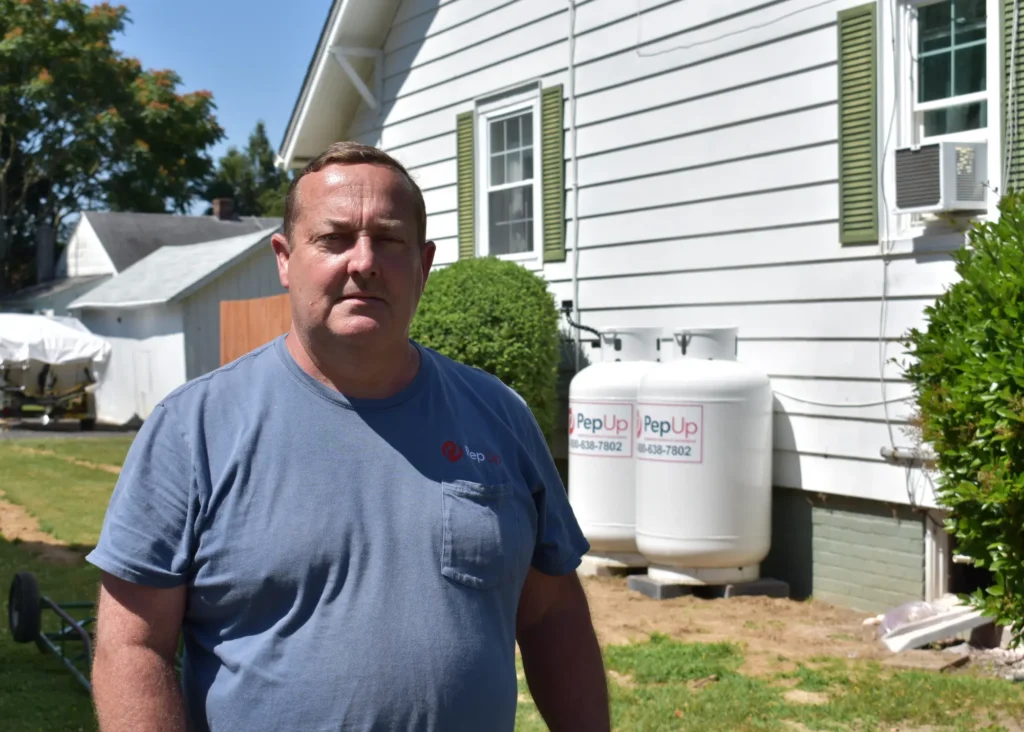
248,324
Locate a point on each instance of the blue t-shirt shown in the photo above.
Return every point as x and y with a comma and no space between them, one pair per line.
351,564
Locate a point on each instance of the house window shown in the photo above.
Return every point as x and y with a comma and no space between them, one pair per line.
948,47
508,161
510,185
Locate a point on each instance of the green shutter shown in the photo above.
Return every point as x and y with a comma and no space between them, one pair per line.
1014,175
466,188
552,153
858,136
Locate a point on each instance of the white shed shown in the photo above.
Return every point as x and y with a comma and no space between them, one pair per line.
162,317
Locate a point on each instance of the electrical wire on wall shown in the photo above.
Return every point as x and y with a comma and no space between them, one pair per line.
706,41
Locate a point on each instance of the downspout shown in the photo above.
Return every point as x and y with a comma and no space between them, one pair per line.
575,178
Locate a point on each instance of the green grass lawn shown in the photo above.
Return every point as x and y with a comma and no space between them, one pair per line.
657,685
68,500
99,450
36,693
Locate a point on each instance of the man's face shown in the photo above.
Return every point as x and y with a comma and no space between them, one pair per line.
355,267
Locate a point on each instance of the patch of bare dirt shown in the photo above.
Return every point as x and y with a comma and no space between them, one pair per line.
624,680
73,461
799,696
17,524
775,633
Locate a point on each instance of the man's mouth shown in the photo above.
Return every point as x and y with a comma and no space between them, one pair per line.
361,296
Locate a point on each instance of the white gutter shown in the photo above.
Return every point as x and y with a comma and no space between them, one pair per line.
575,178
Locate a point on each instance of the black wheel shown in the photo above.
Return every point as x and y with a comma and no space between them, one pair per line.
88,424
23,612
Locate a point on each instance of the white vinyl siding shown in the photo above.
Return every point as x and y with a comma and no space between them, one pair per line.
708,193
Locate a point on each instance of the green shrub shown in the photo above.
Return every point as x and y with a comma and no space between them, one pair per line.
498,316
968,376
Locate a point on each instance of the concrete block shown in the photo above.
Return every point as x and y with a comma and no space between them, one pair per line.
763,587
656,589
666,590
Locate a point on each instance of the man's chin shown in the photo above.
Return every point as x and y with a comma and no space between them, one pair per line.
356,326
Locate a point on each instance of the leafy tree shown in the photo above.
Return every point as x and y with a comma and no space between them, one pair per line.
83,126
251,178
968,376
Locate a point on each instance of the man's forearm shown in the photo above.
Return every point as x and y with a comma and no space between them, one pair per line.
136,689
565,673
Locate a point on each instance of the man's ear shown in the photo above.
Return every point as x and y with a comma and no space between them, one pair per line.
427,252
282,252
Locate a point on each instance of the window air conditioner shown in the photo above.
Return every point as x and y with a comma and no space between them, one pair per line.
941,176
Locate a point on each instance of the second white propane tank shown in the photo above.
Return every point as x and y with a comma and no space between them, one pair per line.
704,463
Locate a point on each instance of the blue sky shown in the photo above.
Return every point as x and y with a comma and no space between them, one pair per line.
252,54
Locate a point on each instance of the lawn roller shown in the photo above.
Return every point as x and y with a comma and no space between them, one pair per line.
73,643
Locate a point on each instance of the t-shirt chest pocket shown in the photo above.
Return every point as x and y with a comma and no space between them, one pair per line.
483,539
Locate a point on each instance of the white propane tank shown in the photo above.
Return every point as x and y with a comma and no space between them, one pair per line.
602,472
704,463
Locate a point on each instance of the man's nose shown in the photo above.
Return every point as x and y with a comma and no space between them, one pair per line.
362,260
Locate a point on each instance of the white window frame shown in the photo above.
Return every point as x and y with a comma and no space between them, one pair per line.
487,112
898,85
912,109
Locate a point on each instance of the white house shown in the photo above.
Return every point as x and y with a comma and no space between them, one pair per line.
672,163
161,316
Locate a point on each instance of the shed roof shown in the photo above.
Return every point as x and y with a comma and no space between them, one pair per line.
48,289
172,273
130,237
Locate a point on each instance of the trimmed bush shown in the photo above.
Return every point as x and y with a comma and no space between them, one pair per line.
968,375
498,316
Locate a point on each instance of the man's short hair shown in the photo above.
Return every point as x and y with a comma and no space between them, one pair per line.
354,153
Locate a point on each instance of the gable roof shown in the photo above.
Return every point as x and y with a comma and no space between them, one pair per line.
130,237
172,273
327,99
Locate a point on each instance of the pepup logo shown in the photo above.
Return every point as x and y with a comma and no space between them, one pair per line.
677,426
451,451
608,424
572,422
455,452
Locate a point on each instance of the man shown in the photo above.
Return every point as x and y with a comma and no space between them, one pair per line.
311,518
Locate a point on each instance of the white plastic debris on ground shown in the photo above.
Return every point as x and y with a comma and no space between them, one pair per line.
25,338
916,624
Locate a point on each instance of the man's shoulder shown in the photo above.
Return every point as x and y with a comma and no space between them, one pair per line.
475,380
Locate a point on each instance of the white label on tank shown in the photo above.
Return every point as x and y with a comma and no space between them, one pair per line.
601,428
670,432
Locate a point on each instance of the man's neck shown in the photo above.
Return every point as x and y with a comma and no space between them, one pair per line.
361,374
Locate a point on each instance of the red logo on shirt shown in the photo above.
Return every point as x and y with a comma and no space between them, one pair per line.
455,452
451,451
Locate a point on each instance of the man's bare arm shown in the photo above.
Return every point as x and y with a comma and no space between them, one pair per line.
133,680
561,656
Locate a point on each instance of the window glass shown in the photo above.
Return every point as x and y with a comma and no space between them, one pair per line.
951,62
511,220
510,200
960,118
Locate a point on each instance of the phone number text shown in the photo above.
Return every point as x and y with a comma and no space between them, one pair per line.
673,450
595,445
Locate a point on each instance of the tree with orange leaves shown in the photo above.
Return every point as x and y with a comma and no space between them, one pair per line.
82,126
